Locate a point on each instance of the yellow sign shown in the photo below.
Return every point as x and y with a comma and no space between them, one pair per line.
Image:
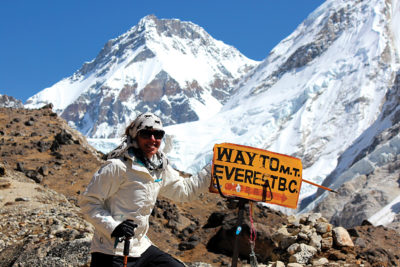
256,174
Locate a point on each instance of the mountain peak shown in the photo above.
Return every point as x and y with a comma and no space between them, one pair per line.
172,28
172,68
10,102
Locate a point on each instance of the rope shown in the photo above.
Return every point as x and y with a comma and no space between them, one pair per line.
267,189
253,236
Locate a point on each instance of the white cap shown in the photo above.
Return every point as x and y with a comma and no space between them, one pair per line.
145,121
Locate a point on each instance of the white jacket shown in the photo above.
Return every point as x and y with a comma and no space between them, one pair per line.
125,189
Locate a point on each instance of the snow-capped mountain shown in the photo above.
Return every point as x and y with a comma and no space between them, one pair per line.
327,94
10,102
172,68
319,91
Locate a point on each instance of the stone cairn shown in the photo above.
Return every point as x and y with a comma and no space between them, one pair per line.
301,241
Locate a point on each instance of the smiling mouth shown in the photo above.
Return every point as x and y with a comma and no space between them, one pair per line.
151,146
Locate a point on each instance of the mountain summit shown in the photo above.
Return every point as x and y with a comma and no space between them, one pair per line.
172,68
328,88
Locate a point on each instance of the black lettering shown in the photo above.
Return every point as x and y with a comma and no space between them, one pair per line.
229,173
239,157
273,180
225,152
271,162
284,170
282,184
239,173
255,178
251,157
290,186
217,171
264,159
248,174
296,171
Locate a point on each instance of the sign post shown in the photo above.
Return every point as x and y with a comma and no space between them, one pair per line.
251,174
235,255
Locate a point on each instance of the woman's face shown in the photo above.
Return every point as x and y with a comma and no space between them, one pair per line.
149,141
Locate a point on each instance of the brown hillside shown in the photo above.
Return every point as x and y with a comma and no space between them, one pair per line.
41,146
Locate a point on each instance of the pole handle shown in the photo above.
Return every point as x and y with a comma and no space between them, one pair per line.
126,246
126,250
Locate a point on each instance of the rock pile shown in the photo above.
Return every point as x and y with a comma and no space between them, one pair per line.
40,227
309,240
306,236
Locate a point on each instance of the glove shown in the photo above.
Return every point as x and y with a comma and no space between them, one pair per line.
126,228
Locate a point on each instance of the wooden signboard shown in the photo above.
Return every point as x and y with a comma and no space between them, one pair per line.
256,174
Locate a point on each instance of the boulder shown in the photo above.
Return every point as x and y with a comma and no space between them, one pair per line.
179,223
320,262
341,237
2,170
278,264
283,239
326,243
294,264
323,227
4,184
303,253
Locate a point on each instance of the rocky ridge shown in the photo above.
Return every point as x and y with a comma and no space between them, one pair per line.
10,102
41,145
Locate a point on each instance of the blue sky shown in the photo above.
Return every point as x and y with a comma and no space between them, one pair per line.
44,41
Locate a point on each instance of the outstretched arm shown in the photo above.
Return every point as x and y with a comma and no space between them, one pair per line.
183,189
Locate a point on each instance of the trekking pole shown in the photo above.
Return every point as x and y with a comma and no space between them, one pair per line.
126,250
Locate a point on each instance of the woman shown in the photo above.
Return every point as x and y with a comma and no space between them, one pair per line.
123,192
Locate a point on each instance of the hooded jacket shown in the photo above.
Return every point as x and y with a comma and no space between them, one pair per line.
124,189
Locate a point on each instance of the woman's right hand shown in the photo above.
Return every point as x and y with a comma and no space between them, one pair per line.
126,228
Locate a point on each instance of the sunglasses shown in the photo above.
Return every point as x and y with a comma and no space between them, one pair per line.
146,134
